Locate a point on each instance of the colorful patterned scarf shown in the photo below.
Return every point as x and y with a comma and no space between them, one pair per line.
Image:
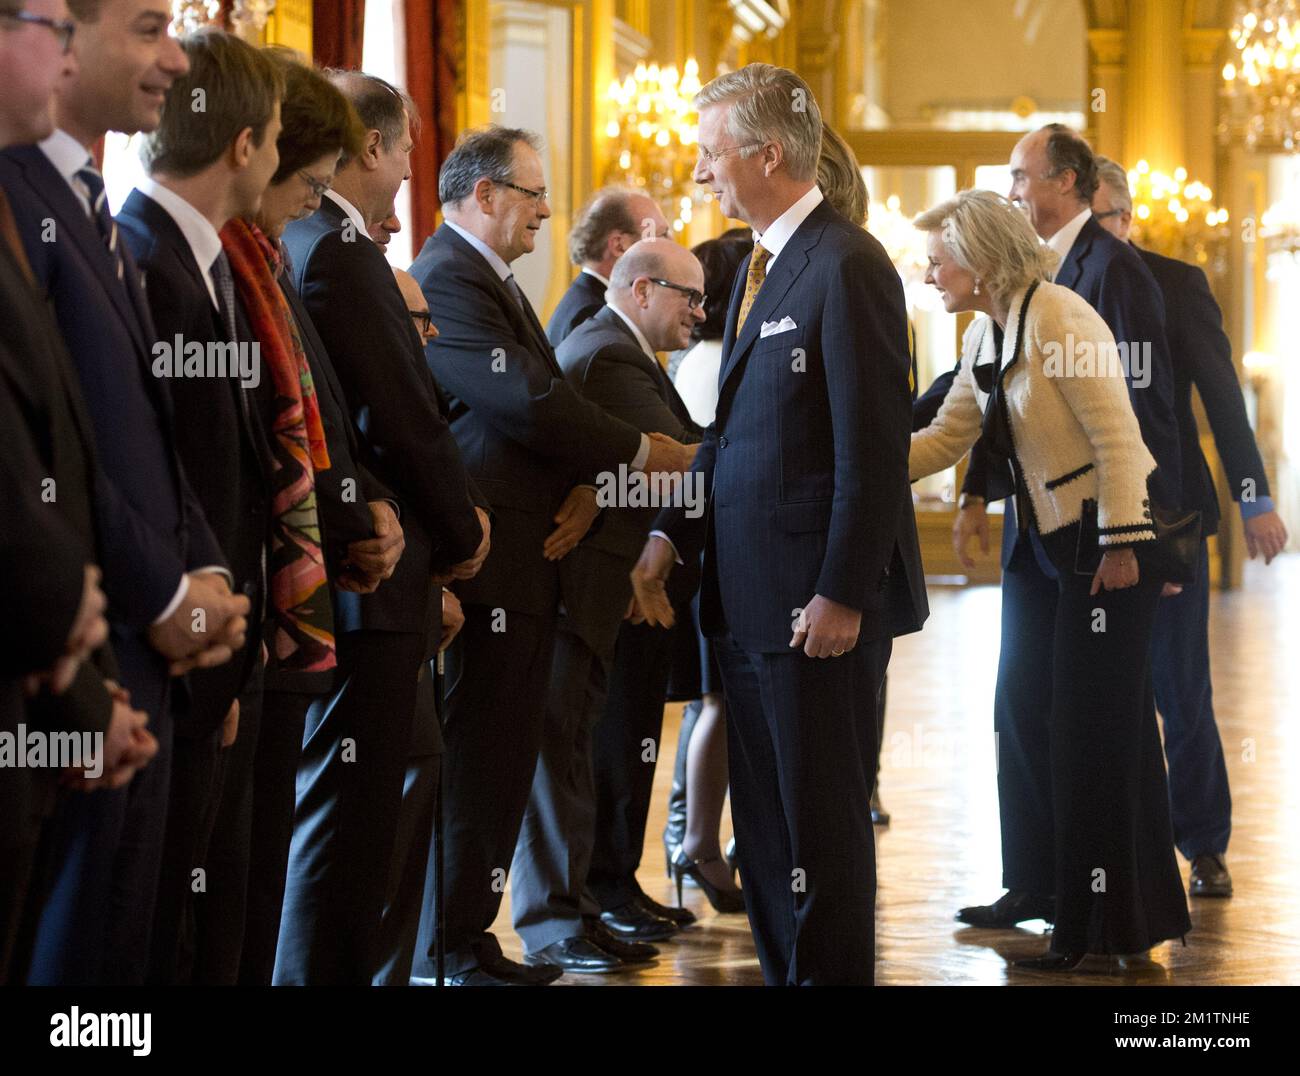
302,620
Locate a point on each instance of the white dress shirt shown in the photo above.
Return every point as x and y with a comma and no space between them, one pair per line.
780,230
352,212
1063,240
502,270
592,272
203,240
68,157
636,331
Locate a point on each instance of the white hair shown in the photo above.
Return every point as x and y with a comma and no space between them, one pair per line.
770,104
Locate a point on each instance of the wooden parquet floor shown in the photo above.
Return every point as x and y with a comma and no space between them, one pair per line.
941,850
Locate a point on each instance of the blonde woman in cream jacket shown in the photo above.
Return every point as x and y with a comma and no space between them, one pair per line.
1058,409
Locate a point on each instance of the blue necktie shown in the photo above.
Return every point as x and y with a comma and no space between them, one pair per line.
94,184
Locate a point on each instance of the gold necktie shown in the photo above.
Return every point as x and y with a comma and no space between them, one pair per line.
753,281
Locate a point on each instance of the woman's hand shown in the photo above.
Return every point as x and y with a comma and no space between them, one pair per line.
1118,569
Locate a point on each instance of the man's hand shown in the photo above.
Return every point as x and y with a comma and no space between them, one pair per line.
826,629
668,455
453,619
88,632
372,560
649,576
207,627
574,519
468,569
1265,533
972,521
230,725
128,746
1118,569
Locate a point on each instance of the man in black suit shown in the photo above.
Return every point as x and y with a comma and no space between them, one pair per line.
1054,176
610,359
356,744
201,172
811,561
163,569
54,621
607,225
1199,799
533,444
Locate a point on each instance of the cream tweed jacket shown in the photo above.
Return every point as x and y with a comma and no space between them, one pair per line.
1072,424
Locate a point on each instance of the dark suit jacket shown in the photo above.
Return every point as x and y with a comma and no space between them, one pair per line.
584,297
221,433
807,457
526,435
1202,356
349,291
602,360
150,526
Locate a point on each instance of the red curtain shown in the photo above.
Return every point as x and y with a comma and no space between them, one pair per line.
336,31
432,27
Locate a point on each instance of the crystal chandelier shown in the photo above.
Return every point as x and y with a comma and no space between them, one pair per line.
1178,219
652,137
1261,85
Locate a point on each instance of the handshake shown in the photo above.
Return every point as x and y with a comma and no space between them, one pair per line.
668,455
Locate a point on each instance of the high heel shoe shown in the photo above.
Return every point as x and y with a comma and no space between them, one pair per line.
723,901
1051,961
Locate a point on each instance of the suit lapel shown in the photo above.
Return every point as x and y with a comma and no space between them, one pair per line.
1072,268
71,220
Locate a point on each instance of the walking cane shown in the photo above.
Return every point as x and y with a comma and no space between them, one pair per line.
440,953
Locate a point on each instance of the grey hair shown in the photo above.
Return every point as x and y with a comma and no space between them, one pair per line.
988,236
641,259
1116,180
481,153
610,210
770,104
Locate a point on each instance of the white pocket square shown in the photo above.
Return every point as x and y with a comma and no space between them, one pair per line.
771,328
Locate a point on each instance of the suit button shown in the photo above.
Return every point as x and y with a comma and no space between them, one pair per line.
1147,515
1146,504
722,442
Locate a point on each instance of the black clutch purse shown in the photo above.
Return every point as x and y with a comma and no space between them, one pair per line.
1173,557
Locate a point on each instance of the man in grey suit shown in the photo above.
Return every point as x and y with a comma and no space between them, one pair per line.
655,298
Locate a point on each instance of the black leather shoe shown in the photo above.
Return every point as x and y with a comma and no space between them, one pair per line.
1051,962
879,816
1014,906
578,954
630,952
473,977
632,922
531,974
1210,877
682,917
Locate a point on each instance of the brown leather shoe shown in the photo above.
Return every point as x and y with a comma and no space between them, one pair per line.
1210,877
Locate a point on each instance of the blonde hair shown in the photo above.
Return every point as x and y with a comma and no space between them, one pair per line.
840,178
988,236
770,104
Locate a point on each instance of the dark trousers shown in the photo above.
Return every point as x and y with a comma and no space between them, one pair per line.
496,702
198,763
349,797
1109,843
1200,802
220,910
270,830
400,927
802,743
99,877
553,854
625,748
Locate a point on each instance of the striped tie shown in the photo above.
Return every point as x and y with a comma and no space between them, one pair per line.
94,184
753,281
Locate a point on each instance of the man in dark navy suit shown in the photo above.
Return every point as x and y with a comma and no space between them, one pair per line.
1202,356
1054,176
811,560
533,446
199,177
608,224
349,798
162,565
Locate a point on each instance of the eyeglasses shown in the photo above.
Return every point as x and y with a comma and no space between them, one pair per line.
708,156
62,28
694,299
318,188
537,196
423,320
